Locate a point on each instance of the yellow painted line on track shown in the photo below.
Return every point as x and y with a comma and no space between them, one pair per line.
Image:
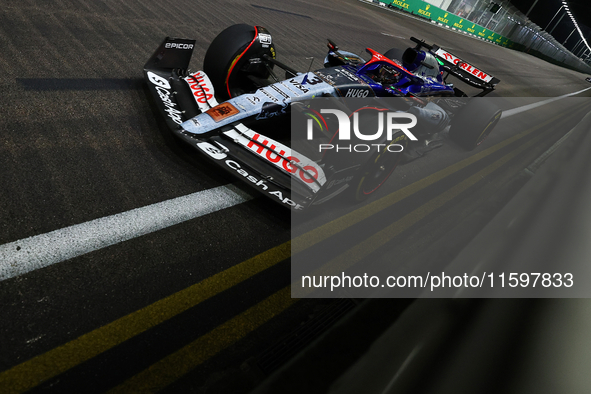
173,367
35,371
179,363
56,361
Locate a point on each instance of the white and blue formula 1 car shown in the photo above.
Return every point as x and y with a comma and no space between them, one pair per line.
236,111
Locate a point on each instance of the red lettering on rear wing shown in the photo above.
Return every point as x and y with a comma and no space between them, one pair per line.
464,70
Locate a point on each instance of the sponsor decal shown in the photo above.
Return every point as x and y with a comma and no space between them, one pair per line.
211,150
336,182
163,89
400,3
270,110
222,111
281,92
158,80
464,66
357,93
280,156
325,78
424,12
217,154
291,89
269,95
276,153
348,75
299,86
202,89
444,19
265,40
262,185
175,45
254,100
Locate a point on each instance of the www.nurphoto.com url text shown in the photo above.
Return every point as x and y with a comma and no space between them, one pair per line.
433,282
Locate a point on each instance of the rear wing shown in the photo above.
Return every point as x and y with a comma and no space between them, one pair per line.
465,71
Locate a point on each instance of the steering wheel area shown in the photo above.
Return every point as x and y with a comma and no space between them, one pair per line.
384,74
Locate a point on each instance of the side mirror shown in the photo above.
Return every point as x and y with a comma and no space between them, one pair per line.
331,45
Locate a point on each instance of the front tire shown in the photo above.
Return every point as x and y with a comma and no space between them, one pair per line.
236,53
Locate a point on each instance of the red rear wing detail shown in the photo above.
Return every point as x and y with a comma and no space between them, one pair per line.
463,69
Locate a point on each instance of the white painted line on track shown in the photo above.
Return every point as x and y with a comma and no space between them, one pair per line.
518,110
29,254
392,35
26,255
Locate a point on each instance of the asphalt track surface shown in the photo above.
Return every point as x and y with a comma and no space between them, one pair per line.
190,305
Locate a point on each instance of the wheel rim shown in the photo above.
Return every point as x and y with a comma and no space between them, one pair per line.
491,125
379,172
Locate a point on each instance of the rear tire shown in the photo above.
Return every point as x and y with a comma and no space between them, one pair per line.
376,171
473,123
